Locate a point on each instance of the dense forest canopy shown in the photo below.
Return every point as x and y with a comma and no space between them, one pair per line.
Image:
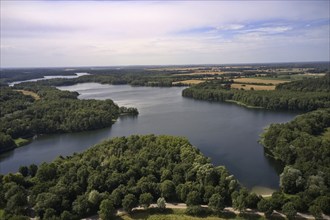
127,171
302,146
308,85
56,111
305,95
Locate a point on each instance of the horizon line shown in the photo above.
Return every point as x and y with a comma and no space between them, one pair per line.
156,65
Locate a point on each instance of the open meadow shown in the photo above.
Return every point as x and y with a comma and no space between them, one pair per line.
251,87
259,81
189,82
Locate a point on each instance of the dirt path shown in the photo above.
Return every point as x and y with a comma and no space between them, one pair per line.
227,209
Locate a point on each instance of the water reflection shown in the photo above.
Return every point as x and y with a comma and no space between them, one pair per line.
225,132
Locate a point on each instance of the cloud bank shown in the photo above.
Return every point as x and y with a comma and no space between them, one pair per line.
85,33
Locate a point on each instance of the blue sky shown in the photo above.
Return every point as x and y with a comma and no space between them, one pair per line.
85,33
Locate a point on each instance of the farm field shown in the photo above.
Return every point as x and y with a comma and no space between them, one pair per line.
260,81
179,214
176,68
250,86
291,77
33,94
293,70
189,82
201,73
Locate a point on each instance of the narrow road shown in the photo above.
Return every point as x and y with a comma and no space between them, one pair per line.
227,209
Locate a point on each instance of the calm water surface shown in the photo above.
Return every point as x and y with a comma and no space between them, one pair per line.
225,132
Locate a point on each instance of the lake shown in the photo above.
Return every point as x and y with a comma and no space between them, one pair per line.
225,132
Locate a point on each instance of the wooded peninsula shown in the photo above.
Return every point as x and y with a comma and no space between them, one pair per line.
50,111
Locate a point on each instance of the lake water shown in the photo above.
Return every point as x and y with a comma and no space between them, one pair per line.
225,132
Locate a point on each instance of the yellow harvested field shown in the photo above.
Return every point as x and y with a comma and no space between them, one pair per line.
293,70
249,86
176,68
199,73
255,80
314,74
189,82
33,94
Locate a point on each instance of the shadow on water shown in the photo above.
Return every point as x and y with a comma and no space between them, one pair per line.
276,164
7,155
127,117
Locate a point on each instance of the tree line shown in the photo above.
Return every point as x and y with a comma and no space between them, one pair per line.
125,172
114,76
56,112
155,79
300,145
321,84
303,96
121,172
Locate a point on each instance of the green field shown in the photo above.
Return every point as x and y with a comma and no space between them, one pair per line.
326,134
179,214
21,141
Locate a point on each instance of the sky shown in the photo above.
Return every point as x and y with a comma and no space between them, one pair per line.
52,33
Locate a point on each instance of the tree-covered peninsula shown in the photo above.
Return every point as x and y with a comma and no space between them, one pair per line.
303,145
32,110
127,172
121,172
302,95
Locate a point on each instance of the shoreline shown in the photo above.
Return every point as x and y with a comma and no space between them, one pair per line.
243,104
263,191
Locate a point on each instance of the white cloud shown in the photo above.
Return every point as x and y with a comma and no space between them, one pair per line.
64,33
230,27
270,30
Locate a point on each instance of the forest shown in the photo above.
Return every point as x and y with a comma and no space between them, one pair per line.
305,95
116,76
305,151
123,172
55,111
307,85
134,78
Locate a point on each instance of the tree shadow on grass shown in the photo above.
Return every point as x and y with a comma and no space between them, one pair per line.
250,216
276,217
226,215
144,214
